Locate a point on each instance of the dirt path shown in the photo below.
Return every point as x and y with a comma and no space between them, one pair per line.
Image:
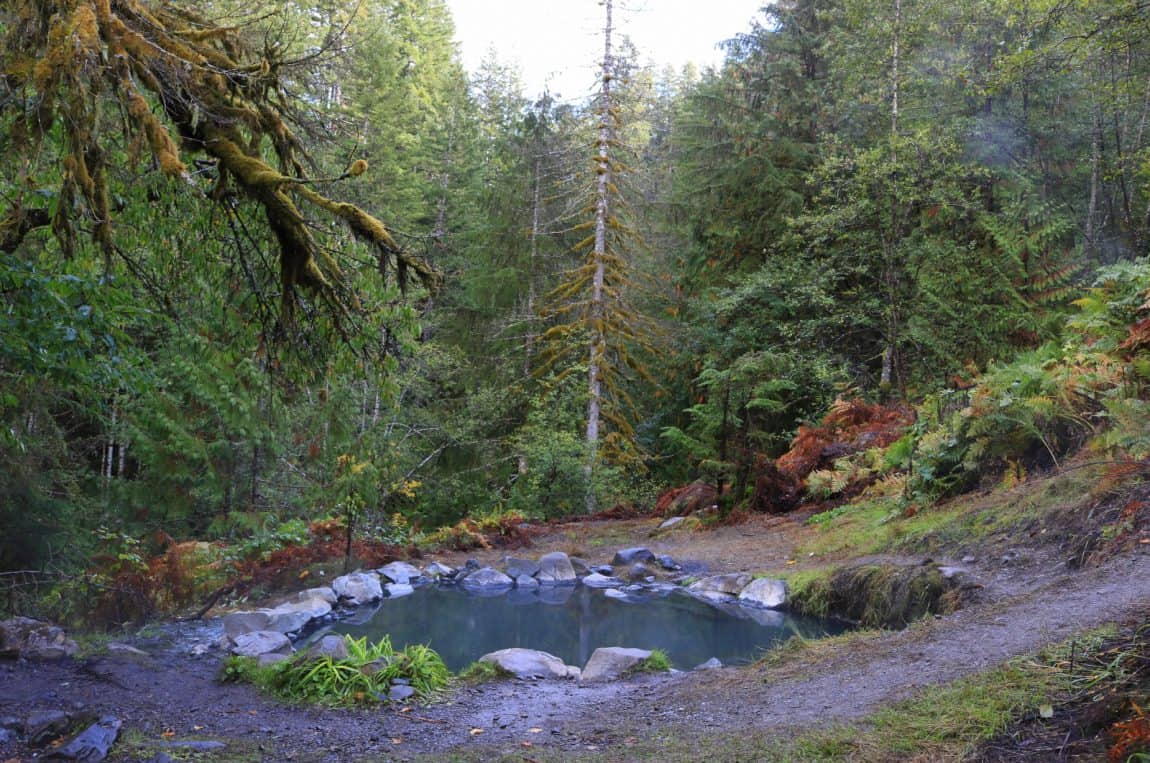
172,696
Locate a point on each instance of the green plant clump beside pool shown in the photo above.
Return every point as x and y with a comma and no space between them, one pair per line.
656,662
364,677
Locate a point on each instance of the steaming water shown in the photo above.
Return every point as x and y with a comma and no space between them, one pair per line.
571,622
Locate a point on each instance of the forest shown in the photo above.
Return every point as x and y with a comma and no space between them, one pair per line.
268,268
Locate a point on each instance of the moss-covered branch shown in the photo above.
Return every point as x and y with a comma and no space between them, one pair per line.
183,86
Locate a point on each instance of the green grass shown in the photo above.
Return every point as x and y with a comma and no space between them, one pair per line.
892,525
656,662
364,677
482,672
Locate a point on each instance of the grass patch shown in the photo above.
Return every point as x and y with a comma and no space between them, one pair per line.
363,678
892,524
950,722
483,672
807,652
656,662
872,595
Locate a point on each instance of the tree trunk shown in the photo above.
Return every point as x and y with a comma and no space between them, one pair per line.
895,82
1095,171
598,254
529,343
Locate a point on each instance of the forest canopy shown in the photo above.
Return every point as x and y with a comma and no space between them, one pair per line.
920,224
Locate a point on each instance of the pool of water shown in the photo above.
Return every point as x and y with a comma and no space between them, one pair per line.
571,622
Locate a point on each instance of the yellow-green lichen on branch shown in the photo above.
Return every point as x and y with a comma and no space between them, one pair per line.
182,85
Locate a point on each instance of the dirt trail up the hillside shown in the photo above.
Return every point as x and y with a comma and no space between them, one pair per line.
172,696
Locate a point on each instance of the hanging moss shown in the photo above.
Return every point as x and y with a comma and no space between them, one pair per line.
184,85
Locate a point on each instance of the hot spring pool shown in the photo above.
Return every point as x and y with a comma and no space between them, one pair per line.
570,622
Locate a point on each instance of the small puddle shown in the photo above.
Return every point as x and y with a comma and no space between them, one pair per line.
571,622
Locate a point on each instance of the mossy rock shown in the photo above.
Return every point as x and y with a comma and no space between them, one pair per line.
877,595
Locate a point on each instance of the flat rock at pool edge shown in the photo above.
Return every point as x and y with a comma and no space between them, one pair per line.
556,569
610,662
487,577
731,584
293,615
595,580
358,588
764,592
259,643
530,663
400,572
395,590
440,571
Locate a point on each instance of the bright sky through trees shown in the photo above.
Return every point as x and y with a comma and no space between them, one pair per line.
558,43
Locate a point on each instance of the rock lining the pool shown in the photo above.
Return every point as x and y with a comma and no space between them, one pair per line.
347,593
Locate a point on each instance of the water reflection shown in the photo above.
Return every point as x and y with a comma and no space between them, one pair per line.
572,622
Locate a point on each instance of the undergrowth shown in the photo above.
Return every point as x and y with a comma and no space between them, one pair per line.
656,662
363,677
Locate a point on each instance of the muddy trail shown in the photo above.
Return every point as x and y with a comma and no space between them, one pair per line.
170,697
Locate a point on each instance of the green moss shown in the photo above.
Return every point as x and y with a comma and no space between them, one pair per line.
873,595
482,672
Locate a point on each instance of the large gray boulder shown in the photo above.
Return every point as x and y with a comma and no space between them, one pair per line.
330,645
238,623
610,662
34,640
723,585
438,570
595,580
92,744
517,568
555,569
395,590
259,643
358,588
487,578
530,663
401,572
764,592
626,556
290,616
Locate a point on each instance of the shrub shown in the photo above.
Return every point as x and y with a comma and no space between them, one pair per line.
363,677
